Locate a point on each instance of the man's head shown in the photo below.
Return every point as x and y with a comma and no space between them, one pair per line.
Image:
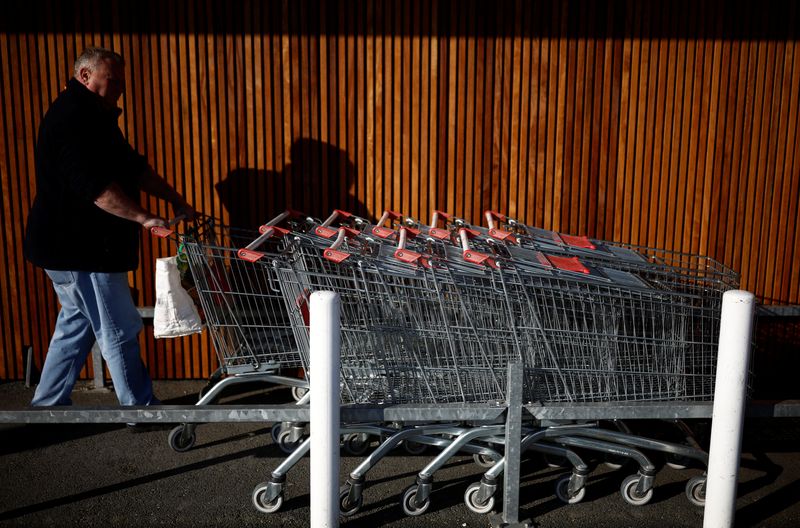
103,72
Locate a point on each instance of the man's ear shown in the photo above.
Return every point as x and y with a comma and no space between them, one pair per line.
84,74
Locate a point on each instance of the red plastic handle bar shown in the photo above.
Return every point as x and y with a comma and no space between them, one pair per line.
471,233
491,216
332,253
273,231
249,255
480,258
441,234
572,264
267,231
411,257
405,234
164,232
161,232
335,256
326,232
334,215
578,241
249,252
435,217
382,232
388,215
505,236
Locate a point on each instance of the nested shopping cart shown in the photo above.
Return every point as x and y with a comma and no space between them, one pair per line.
601,335
243,311
440,328
677,269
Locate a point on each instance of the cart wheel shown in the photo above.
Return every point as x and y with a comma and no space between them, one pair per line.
356,444
414,448
484,461
628,491
180,442
298,393
259,494
347,508
562,491
276,429
408,502
471,499
696,490
285,444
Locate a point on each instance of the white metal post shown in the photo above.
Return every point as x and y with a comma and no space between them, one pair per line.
324,411
729,403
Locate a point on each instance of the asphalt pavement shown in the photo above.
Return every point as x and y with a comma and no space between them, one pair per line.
105,475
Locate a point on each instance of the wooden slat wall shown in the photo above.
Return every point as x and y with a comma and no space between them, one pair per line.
671,124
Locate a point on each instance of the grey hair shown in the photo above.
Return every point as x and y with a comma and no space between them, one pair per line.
91,57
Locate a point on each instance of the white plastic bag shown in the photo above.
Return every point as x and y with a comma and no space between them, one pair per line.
175,313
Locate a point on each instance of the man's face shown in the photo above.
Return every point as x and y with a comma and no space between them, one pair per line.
107,80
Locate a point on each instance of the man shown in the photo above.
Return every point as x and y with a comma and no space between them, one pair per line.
84,228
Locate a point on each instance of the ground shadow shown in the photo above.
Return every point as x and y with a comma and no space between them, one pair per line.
139,481
17,438
776,357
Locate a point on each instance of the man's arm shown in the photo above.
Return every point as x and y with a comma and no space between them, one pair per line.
113,200
155,185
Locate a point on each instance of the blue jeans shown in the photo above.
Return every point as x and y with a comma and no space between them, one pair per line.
94,306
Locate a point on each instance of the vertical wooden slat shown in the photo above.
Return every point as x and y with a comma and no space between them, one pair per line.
775,179
687,109
789,213
371,204
624,136
404,176
643,136
588,125
710,154
6,170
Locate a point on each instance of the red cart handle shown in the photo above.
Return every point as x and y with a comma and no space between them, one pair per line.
164,232
435,232
385,232
326,231
474,257
491,216
405,255
332,253
267,231
494,229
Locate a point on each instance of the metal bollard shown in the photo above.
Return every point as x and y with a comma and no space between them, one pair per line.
324,411
736,326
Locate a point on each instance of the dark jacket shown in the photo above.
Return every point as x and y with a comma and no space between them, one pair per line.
79,152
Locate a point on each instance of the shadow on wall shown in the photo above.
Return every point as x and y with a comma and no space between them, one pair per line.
317,178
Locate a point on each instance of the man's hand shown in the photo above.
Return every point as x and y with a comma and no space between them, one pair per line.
185,210
114,201
154,221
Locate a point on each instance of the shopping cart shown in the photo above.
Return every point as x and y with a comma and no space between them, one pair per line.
592,337
242,309
678,270
419,328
